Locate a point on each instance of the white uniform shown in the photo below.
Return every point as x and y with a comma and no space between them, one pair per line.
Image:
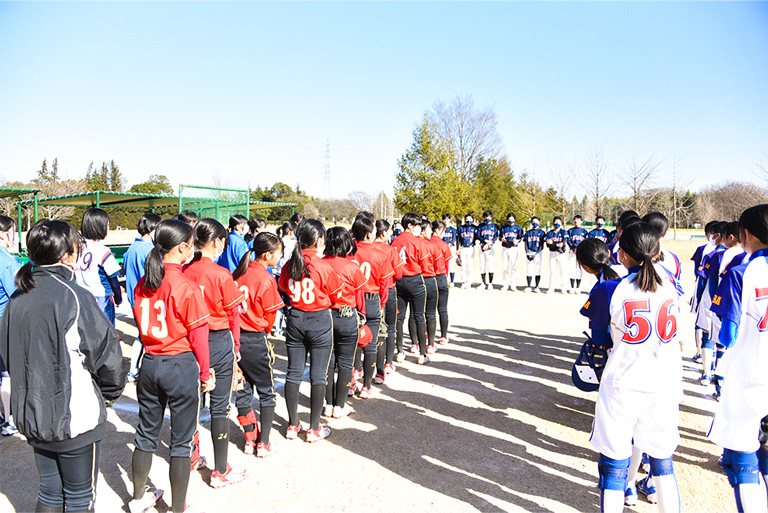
486,259
534,266
95,264
509,258
744,400
558,260
641,386
467,255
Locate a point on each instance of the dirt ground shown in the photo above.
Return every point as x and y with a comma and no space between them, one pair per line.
492,424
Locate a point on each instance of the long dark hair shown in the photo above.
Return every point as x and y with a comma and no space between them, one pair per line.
207,230
641,242
95,224
382,225
308,233
168,234
755,219
47,242
596,254
338,242
147,223
264,242
7,223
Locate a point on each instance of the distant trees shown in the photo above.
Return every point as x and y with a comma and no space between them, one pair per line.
155,184
106,178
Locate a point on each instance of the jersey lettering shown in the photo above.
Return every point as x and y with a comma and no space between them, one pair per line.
403,256
716,300
639,326
160,331
202,290
760,294
365,268
87,260
303,290
666,322
243,308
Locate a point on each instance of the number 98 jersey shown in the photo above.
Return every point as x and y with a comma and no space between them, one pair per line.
643,326
166,316
317,292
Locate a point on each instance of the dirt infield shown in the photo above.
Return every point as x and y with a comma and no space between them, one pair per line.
492,424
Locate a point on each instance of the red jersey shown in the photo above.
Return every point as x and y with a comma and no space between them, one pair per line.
262,299
395,261
433,259
351,278
412,251
167,315
317,292
218,288
375,264
445,250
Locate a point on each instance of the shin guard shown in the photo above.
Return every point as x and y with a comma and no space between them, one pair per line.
250,427
663,477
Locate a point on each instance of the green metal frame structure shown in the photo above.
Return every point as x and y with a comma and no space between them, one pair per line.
16,191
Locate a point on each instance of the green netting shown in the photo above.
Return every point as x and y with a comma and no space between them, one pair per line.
214,202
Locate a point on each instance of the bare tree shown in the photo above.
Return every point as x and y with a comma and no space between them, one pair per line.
680,209
727,201
361,200
562,180
597,180
467,134
639,178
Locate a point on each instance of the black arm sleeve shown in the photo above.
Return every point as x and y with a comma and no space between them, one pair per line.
115,286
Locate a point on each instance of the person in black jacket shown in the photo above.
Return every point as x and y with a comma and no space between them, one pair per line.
65,363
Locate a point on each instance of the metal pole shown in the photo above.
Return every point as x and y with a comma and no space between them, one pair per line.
35,201
18,225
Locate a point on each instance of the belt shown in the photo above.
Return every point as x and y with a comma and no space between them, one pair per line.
372,295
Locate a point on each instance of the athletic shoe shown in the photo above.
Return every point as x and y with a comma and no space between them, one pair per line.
550,290
537,290
527,289
423,360
379,379
630,496
646,464
716,395
465,285
229,477
250,447
200,463
400,357
133,376
365,393
293,431
328,410
696,358
488,287
315,435
146,502
647,489
414,349
8,429
705,380
190,509
352,390
340,413
443,341
262,451
431,349
389,368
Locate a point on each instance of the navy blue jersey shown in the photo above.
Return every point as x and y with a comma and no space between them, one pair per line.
534,240
553,238
467,234
614,235
510,235
449,235
613,247
697,256
488,232
726,303
600,233
576,236
737,260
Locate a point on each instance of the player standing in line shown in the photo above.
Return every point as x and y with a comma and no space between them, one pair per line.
376,265
312,286
465,243
600,232
287,234
390,308
593,256
487,234
236,246
576,236
441,272
349,303
704,315
744,332
430,264
98,269
133,263
533,240
557,243
701,252
255,227
667,259
411,291
65,363
222,298
641,385
173,323
510,234
257,355
9,265
189,217
449,236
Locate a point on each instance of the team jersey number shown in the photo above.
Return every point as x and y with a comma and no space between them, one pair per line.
639,326
760,294
365,268
303,290
243,308
403,256
160,330
87,260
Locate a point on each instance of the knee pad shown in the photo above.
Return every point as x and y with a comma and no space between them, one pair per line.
740,467
195,457
661,466
613,473
247,419
706,342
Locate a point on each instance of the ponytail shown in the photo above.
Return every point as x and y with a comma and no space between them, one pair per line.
264,242
24,280
608,272
641,242
168,234
308,233
242,266
47,242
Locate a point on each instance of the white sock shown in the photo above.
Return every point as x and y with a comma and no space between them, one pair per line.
136,351
634,465
611,501
5,396
667,493
698,340
707,357
752,497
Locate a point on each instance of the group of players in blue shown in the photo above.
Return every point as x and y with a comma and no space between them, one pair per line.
633,312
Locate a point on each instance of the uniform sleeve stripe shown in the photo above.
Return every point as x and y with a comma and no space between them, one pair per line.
385,276
236,302
338,289
278,306
197,323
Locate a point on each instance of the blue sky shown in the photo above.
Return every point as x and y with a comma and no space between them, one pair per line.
251,91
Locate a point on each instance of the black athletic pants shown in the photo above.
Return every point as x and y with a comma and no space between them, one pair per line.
411,291
442,303
256,359
67,479
390,317
345,335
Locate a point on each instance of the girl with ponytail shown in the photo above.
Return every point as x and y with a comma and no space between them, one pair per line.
382,241
173,322
222,298
257,315
641,384
594,255
312,286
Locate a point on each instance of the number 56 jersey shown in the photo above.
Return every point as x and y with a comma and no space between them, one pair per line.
643,326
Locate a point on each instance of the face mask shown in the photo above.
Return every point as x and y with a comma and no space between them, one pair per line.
417,231
470,221
535,224
557,225
600,225
488,220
